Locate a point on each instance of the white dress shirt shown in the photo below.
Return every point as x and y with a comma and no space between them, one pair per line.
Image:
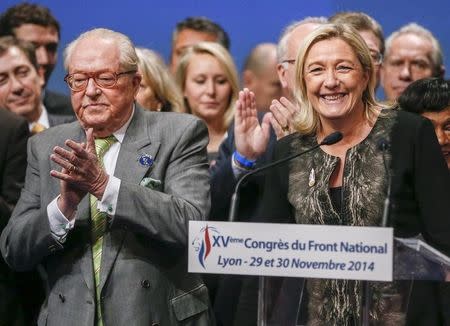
59,224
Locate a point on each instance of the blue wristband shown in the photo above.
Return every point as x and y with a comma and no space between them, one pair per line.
249,164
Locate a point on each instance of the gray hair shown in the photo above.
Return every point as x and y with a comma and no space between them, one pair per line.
282,42
128,58
437,57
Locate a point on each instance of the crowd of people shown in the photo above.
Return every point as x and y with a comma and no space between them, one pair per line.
94,209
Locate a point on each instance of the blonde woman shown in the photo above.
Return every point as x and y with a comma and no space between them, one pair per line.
208,79
157,91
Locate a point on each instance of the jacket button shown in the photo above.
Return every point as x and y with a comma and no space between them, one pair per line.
145,284
62,298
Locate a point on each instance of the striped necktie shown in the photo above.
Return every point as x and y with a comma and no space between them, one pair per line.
98,224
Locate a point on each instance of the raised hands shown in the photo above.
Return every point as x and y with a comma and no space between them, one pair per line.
251,137
81,173
283,113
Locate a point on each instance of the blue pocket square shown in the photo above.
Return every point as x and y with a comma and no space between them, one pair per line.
151,183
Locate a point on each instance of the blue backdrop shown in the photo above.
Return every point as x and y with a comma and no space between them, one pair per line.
149,23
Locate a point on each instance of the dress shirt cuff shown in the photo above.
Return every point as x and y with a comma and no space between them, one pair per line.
59,224
108,203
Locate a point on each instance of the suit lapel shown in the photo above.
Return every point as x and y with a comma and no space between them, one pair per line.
128,169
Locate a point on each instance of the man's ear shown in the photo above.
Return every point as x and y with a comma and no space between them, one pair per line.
281,71
248,78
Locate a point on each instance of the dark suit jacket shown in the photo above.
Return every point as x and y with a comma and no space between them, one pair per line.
13,159
57,103
143,277
419,198
235,296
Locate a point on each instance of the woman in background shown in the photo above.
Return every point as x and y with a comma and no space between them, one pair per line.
157,91
208,79
430,97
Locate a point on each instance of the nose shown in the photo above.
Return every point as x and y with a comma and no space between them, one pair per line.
16,84
442,136
91,88
42,55
330,79
210,87
405,72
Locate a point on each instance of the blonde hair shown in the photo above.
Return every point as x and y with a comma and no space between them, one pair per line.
307,121
156,75
226,62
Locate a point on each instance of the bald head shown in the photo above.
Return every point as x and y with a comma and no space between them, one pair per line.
260,74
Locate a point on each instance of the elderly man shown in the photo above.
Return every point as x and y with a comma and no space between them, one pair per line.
193,30
36,24
107,216
21,85
260,75
412,53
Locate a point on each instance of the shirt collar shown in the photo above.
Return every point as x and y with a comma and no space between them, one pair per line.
120,133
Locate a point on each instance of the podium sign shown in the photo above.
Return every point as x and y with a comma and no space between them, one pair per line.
291,250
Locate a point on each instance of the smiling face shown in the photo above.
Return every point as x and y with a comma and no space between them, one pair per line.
20,85
103,109
441,123
207,88
334,79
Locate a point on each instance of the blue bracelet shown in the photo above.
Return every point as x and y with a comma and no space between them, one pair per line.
249,164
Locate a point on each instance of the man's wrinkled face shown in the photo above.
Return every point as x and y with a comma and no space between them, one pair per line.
20,85
45,39
408,59
103,109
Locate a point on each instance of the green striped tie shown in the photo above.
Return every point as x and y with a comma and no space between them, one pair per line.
98,223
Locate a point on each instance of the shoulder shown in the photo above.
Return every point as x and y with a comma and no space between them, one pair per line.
295,141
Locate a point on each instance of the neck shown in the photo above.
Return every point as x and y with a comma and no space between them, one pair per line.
215,132
34,115
354,127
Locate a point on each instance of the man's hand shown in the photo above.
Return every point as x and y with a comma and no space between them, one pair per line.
283,113
81,173
251,137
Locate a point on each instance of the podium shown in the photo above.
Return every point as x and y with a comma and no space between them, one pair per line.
294,301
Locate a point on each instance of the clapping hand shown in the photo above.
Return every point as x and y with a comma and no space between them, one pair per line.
283,114
81,173
251,137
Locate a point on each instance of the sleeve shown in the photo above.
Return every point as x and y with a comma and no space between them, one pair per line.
27,238
163,216
432,187
223,180
275,206
13,173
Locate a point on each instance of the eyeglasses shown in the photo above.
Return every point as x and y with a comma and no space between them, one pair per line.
290,61
377,57
104,79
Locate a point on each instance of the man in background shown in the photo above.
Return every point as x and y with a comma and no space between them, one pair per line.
35,23
260,75
13,161
193,30
412,53
21,85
